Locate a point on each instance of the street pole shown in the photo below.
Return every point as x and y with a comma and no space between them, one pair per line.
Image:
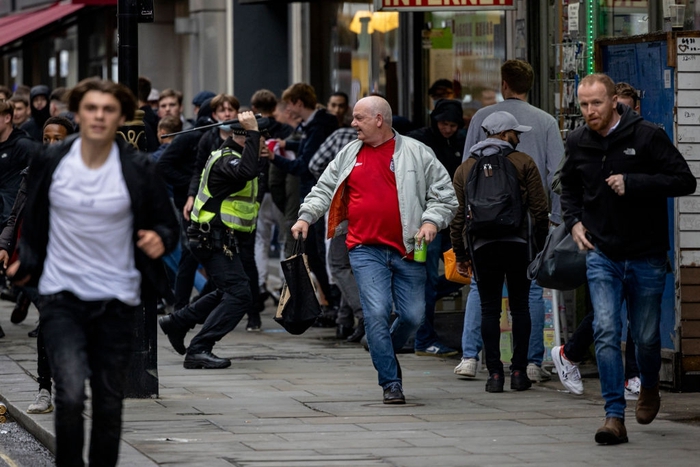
142,380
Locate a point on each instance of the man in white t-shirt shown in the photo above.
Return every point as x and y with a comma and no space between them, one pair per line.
96,223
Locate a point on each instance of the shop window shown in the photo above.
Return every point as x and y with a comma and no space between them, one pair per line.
468,49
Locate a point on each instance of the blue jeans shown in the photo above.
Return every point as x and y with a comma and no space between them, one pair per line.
471,333
384,278
641,283
436,287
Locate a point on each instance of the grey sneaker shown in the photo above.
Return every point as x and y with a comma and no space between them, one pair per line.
466,367
537,374
42,403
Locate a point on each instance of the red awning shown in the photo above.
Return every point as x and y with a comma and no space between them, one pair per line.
16,26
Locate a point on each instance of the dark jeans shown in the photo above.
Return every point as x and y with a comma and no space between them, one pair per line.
436,287
87,340
246,248
339,262
577,346
496,261
42,362
221,310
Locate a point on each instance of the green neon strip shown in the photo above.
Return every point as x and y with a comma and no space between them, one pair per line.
590,34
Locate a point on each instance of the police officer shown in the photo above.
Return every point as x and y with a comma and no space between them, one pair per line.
225,207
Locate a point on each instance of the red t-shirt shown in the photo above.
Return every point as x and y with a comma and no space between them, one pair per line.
373,202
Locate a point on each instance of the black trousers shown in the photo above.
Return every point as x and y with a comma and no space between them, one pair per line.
495,262
87,340
220,311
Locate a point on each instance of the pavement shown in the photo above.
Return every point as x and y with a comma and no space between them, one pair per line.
312,400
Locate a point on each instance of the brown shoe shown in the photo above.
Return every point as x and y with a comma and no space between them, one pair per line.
647,405
612,432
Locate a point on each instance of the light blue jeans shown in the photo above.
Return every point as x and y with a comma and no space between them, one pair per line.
640,282
471,333
385,279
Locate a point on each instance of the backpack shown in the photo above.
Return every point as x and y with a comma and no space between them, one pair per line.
493,201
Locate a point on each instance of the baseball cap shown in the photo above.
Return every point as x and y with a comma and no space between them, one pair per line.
154,95
501,121
201,96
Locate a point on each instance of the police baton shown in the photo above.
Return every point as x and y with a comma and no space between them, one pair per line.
235,121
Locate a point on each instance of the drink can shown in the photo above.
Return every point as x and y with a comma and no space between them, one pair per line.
420,252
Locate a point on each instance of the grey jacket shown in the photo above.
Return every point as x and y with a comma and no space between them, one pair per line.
425,191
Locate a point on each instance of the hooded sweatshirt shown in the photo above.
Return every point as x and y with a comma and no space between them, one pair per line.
448,150
35,125
15,154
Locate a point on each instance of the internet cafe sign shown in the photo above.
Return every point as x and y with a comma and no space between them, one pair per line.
443,5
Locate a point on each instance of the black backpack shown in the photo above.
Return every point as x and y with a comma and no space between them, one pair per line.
493,200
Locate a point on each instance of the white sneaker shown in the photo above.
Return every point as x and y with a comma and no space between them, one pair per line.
42,403
568,372
537,374
467,367
632,387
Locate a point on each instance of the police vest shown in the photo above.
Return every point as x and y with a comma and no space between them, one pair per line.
238,211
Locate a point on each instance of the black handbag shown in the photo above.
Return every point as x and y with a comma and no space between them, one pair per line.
298,307
560,265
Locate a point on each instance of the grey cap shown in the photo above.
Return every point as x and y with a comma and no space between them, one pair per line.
501,121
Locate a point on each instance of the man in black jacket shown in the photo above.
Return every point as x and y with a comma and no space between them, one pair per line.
39,105
615,182
446,138
96,222
16,150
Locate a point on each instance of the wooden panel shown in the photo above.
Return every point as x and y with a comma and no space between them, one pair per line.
690,329
690,276
689,240
690,293
687,80
688,63
688,134
689,98
689,310
691,151
690,258
689,204
690,347
689,221
691,363
689,115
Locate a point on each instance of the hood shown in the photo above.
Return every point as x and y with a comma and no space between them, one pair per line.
449,110
40,116
628,117
489,146
204,114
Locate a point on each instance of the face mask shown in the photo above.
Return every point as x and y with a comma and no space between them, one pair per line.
226,128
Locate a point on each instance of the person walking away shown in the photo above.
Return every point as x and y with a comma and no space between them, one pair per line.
497,243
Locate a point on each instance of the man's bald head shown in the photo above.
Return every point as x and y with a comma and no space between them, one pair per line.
372,120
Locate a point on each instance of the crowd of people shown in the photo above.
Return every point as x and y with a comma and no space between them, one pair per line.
364,188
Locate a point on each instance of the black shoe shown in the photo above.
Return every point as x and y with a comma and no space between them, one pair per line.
19,313
394,395
34,332
8,294
205,360
175,335
254,323
519,381
358,333
2,333
494,383
342,331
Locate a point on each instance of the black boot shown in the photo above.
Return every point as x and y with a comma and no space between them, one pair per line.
19,313
359,332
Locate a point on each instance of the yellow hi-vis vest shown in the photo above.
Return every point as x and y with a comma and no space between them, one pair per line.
239,211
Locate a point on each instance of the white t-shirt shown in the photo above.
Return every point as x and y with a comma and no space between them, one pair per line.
91,248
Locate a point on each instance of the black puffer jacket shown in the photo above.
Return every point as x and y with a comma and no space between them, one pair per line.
448,150
636,224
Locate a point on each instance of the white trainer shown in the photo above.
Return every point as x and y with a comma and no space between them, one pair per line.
632,387
537,374
467,367
568,372
42,403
